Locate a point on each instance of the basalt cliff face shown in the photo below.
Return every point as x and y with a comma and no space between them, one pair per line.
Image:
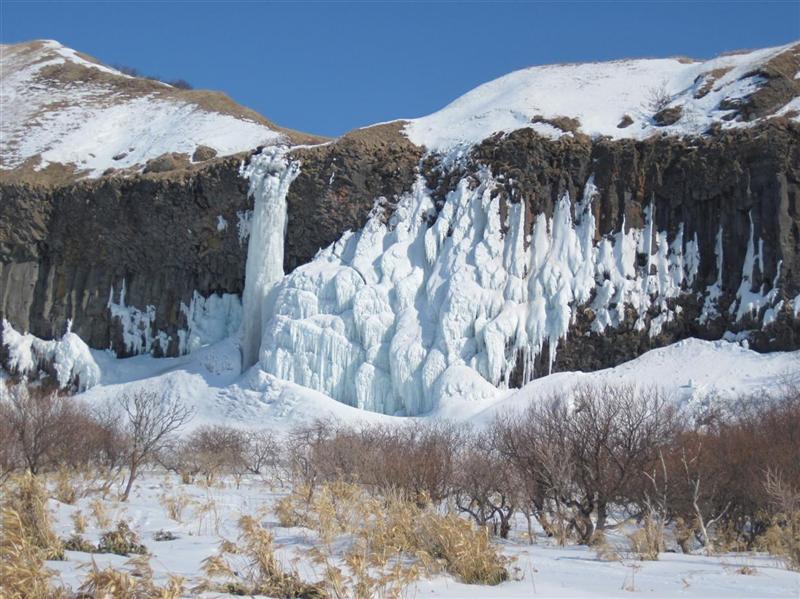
66,251
540,247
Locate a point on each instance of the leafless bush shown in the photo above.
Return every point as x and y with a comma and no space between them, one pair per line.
485,485
149,420
212,451
578,458
416,460
41,420
658,97
262,452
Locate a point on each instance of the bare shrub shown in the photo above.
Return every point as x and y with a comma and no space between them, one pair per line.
783,536
41,420
149,420
579,457
485,485
261,452
717,472
212,451
416,460
658,97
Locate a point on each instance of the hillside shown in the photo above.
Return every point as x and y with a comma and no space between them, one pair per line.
66,115
626,99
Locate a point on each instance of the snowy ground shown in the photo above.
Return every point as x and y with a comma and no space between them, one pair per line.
695,373
542,569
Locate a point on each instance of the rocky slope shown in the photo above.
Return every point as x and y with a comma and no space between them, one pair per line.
696,201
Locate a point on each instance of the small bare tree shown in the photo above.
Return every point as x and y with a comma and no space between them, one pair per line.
40,419
261,451
706,513
658,97
149,419
484,485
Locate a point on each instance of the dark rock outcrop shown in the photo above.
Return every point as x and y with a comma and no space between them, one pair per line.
339,183
62,249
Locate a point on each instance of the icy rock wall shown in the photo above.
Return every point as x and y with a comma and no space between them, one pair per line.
404,314
208,320
270,175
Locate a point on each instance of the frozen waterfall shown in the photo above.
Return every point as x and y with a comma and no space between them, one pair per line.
270,174
404,315
431,305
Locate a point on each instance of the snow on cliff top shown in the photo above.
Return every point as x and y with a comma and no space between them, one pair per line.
600,95
59,106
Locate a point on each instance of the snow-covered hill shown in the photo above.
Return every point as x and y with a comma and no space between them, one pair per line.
695,374
63,107
620,99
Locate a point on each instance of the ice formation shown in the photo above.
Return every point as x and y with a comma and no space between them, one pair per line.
208,320
749,302
69,357
270,175
401,316
138,334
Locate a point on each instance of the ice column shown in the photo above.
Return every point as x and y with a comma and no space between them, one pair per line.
270,174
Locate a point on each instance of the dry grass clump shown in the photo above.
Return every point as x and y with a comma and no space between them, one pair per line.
465,550
78,521
782,539
22,571
293,510
65,489
26,541
121,541
397,539
175,504
603,549
648,541
27,498
99,513
255,570
77,543
137,584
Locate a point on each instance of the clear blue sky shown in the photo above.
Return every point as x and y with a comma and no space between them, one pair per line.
327,67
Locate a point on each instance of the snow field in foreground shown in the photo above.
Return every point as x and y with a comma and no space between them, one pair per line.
543,569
